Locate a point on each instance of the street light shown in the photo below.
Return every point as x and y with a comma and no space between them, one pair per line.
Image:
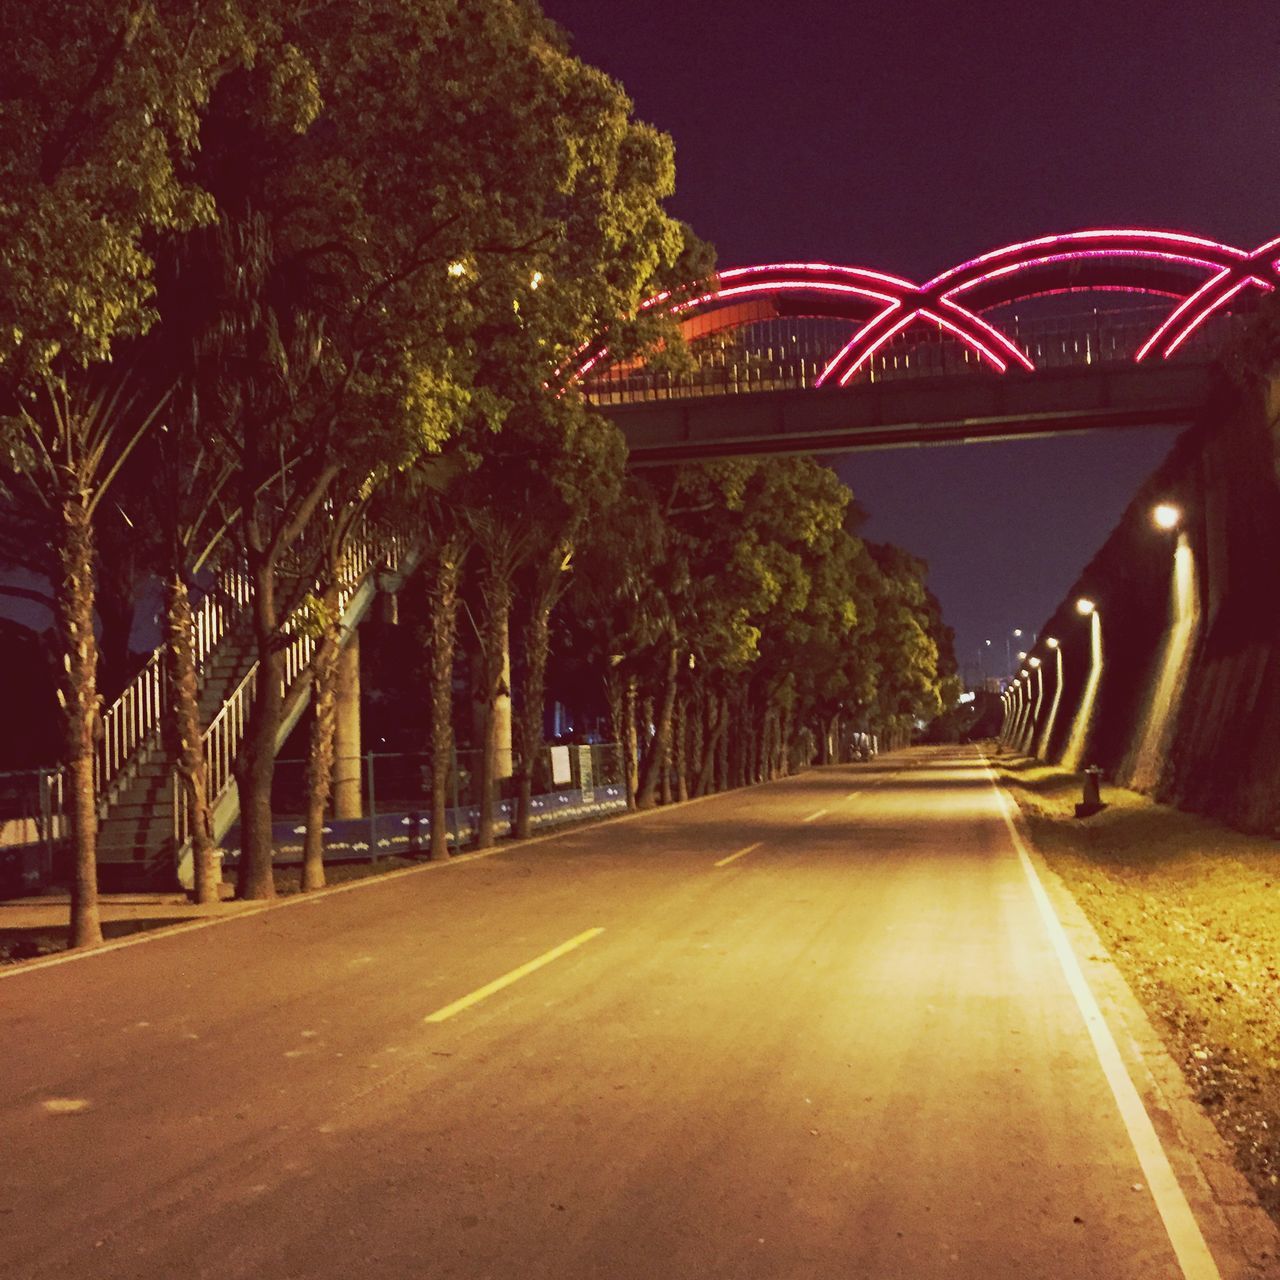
1016,633
1078,739
1051,642
1166,516
1033,663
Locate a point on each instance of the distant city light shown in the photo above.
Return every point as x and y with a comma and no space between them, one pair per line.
457,269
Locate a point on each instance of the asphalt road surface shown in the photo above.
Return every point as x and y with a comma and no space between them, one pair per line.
820,1028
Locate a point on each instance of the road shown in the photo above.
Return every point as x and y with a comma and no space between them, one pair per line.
850,1051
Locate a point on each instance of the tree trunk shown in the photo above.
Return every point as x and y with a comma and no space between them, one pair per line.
788,728
631,745
711,745
682,749
81,711
495,642
668,753
697,740
537,647
186,736
324,723
722,745
615,699
655,761
256,760
443,640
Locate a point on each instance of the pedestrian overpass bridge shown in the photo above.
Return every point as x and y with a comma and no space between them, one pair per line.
1071,332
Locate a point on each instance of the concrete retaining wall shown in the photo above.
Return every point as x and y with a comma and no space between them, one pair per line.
1218,748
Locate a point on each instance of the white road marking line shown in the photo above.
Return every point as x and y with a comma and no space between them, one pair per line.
851,795
490,988
1179,1222
813,817
742,853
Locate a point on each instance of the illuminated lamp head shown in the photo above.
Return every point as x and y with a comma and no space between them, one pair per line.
1033,663
1166,516
1051,642
1085,606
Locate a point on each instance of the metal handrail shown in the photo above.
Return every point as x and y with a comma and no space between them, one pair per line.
139,710
225,733
767,359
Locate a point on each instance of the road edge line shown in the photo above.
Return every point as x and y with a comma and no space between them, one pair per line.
1180,1223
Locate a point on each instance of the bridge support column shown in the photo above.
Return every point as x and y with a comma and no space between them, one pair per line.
346,745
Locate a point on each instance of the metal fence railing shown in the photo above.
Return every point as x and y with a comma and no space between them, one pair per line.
790,355
32,826
382,801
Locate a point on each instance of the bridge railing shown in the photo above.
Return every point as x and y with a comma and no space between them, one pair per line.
780,355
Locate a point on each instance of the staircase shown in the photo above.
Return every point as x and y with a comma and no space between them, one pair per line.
136,822
144,830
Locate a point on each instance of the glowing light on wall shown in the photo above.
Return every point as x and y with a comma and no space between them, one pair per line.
1169,674
1033,716
1046,736
1073,756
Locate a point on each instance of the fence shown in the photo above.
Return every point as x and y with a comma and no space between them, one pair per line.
32,825
382,801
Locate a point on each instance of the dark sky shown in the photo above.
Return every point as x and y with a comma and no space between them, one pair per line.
909,136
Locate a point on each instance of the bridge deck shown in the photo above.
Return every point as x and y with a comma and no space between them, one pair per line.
952,410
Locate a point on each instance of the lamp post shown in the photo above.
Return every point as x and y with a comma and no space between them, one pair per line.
1034,664
1016,634
1046,736
1074,754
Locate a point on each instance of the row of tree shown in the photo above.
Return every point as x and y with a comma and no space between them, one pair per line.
270,272
264,267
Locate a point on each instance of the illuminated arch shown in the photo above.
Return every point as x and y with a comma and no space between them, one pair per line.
1202,275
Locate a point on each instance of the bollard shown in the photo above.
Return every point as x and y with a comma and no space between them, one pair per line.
1091,802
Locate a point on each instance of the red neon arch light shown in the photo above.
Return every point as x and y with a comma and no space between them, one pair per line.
1160,263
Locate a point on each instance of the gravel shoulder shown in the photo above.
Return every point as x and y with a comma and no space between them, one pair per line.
1190,911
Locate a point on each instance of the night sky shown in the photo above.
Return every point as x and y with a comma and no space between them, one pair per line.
911,136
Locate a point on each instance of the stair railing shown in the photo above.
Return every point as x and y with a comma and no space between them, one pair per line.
138,712
365,554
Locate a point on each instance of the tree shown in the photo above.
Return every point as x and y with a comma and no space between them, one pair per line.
95,130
